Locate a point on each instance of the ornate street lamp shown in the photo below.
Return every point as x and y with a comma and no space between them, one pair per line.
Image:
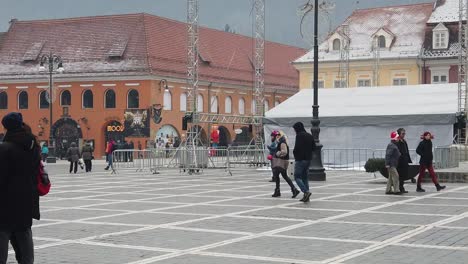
51,64
316,170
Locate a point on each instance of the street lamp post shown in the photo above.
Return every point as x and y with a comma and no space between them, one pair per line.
316,170
54,64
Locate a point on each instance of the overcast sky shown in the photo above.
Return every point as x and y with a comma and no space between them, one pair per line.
282,16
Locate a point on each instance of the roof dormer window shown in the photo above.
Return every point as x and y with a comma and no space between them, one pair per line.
336,44
382,39
382,42
440,36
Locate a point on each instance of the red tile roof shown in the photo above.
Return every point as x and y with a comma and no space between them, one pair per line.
147,43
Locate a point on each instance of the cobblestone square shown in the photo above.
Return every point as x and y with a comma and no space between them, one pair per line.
211,218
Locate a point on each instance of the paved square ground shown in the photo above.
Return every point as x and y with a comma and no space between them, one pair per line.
139,217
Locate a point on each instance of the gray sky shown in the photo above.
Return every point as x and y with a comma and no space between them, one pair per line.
282,18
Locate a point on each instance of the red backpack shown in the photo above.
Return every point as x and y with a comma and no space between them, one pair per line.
43,182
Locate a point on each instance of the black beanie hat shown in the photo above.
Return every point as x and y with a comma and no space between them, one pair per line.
299,127
12,121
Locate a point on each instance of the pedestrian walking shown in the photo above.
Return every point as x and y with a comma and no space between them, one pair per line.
110,147
73,155
424,149
405,159
392,156
303,149
19,199
272,151
87,155
44,152
280,164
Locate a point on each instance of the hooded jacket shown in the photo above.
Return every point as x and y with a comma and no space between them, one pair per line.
19,166
424,149
305,143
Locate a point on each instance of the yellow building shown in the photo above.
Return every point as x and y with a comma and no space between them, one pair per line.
373,47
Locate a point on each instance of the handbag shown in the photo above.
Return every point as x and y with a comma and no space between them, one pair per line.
43,181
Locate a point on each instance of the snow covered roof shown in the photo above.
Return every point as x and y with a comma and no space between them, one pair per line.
451,52
446,11
355,105
140,44
407,23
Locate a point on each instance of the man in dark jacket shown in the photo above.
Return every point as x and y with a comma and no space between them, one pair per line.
19,200
392,156
405,159
303,148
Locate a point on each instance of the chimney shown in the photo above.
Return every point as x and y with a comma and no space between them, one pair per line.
13,20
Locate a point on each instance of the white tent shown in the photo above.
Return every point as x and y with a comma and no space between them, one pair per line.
364,117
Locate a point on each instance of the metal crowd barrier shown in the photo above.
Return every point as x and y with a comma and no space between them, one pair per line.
138,160
238,159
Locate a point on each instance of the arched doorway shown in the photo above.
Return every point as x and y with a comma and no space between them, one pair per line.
244,137
167,134
65,131
114,130
224,136
201,135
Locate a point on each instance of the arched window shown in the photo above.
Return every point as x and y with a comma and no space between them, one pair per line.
254,107
110,99
267,106
133,100
241,106
382,43
43,103
23,101
65,98
167,104
88,101
200,103
183,102
228,105
3,100
336,44
214,104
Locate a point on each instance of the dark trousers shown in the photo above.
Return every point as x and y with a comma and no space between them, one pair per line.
276,172
422,171
88,165
22,243
73,163
44,157
403,174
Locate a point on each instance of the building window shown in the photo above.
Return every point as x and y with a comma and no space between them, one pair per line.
65,98
336,44
110,99
266,106
133,99
167,104
321,84
43,103
254,107
364,83
183,102
440,37
200,103
228,105
242,106
339,84
23,101
439,78
400,81
440,75
214,104
382,42
3,100
88,100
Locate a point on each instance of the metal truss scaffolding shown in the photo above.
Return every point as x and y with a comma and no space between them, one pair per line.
376,57
343,73
462,74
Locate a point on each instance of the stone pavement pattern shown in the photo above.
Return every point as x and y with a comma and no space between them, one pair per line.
134,217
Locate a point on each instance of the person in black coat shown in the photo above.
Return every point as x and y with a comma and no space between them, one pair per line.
303,148
425,151
405,159
19,199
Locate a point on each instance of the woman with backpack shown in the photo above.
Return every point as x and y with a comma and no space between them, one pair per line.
424,149
280,164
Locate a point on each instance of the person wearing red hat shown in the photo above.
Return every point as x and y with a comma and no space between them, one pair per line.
392,155
272,150
424,149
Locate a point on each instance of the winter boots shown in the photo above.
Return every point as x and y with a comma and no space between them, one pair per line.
439,187
277,193
295,193
419,189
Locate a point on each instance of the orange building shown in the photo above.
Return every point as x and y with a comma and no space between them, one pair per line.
116,70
